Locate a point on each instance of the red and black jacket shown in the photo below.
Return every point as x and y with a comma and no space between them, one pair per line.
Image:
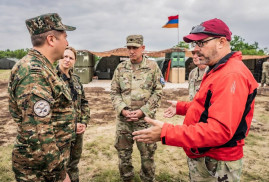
219,117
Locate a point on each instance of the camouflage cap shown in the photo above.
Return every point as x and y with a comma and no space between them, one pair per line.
46,22
134,40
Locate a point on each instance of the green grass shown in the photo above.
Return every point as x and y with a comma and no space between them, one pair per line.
6,173
4,74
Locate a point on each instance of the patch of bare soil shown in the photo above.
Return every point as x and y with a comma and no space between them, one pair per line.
102,112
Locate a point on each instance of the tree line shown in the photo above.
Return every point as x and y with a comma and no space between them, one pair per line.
19,53
237,44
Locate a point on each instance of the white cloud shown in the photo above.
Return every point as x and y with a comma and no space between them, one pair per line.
104,24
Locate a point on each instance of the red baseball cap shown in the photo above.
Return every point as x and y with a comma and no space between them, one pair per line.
211,28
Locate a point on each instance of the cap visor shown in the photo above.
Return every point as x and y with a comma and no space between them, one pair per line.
69,28
195,37
133,44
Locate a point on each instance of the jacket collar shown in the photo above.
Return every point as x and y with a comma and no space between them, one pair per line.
222,61
141,65
41,58
61,74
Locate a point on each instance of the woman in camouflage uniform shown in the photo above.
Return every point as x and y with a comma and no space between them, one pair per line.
65,71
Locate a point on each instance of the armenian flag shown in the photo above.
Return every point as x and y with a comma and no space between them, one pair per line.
172,22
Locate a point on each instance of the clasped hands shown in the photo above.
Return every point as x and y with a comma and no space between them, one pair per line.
132,115
153,134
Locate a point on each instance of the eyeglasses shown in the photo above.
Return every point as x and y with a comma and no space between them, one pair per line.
201,29
201,43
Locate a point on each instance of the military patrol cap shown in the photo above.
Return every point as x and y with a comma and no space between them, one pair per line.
134,40
45,23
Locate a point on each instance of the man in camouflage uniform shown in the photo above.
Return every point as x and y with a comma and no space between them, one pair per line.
196,76
136,91
265,73
41,105
65,71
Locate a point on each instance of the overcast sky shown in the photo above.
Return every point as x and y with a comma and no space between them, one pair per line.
103,25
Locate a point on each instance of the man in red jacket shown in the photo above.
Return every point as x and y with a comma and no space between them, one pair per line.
219,117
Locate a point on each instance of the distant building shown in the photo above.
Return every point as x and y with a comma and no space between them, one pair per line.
7,63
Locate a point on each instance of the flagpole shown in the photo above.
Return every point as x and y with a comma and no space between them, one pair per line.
178,30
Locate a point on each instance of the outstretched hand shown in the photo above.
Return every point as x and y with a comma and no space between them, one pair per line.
149,135
172,110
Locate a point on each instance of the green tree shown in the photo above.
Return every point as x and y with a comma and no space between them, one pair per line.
182,44
239,44
19,53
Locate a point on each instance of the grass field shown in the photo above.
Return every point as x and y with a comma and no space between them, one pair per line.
4,74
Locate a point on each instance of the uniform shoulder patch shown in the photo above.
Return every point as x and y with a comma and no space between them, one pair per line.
42,108
162,81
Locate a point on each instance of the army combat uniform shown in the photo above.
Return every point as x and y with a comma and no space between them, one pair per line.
41,105
139,88
265,73
83,115
195,79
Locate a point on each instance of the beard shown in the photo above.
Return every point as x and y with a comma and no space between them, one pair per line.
207,60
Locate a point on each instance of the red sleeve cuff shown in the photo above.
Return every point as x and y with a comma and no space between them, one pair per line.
163,133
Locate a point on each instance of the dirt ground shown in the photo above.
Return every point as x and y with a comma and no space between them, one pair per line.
102,111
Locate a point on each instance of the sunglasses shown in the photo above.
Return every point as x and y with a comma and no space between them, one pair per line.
201,29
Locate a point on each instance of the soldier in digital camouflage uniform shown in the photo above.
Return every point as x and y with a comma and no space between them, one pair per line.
136,91
265,73
65,71
41,105
196,76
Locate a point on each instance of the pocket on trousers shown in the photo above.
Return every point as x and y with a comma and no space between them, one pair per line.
234,165
123,140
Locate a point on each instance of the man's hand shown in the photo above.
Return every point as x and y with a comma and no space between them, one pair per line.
81,128
149,135
172,110
126,114
67,179
136,115
132,115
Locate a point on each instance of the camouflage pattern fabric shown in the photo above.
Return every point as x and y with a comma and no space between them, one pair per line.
139,89
195,79
41,105
134,40
45,23
210,170
83,116
24,173
265,73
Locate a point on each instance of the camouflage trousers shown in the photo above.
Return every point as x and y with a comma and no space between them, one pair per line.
208,170
124,145
25,173
265,78
75,154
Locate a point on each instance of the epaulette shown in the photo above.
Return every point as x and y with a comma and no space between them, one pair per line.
34,66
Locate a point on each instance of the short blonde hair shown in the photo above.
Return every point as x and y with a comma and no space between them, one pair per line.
73,50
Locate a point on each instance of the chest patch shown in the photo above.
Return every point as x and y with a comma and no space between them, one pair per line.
42,108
